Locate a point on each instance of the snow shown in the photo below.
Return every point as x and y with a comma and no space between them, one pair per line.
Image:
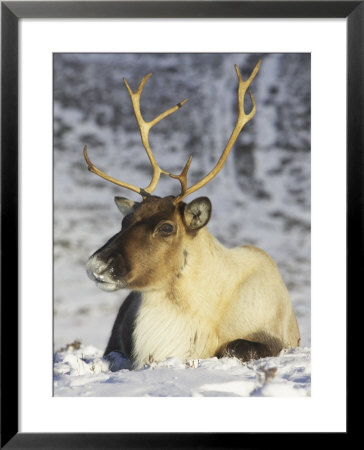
268,171
84,372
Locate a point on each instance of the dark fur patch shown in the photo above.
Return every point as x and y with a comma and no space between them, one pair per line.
121,335
244,350
185,254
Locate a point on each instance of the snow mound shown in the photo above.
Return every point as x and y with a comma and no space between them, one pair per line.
82,371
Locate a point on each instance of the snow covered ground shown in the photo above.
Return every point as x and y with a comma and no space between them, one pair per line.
262,197
84,372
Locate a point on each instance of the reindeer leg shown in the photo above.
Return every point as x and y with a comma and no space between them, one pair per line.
244,350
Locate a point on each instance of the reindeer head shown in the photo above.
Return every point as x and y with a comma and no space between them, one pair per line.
150,249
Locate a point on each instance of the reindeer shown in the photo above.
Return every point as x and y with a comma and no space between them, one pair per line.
191,297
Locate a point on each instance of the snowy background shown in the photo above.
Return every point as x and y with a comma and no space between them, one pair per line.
261,197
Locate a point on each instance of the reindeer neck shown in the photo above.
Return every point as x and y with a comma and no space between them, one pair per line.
204,262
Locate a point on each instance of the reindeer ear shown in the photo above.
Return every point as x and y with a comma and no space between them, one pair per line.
125,206
197,213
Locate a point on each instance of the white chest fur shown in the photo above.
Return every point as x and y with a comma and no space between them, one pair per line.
162,332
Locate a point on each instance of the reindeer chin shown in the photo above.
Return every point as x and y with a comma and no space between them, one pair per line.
110,287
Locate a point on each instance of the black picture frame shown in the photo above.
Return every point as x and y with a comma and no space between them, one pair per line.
11,13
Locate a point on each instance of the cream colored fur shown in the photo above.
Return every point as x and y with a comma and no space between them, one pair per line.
220,295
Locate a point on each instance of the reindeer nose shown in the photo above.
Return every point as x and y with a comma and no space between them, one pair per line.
95,267
106,268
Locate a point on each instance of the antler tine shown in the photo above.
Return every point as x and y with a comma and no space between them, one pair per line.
145,127
92,168
182,177
242,119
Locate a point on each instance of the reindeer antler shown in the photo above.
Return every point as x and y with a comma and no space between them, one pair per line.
242,119
144,129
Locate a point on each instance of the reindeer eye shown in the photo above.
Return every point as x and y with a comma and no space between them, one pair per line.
166,228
